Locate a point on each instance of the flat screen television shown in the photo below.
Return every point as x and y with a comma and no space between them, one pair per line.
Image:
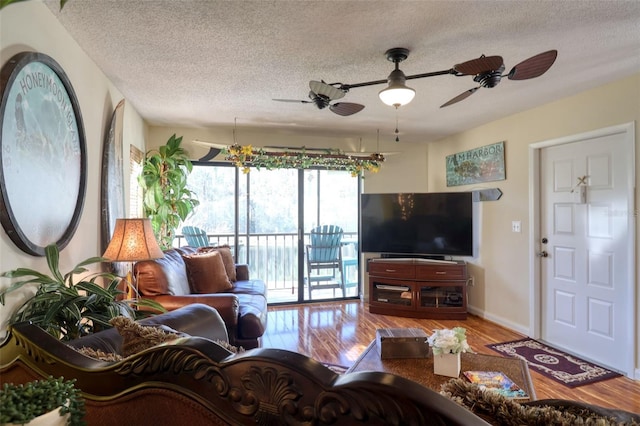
432,225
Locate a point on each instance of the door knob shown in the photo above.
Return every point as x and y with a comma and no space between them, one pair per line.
543,254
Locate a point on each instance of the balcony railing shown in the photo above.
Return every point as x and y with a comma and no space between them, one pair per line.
272,258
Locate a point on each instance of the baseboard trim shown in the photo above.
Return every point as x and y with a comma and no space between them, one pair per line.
518,328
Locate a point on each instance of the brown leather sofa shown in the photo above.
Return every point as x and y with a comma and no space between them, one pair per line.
243,308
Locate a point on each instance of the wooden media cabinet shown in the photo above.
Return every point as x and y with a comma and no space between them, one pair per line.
418,288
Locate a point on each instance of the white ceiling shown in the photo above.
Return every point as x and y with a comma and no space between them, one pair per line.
202,63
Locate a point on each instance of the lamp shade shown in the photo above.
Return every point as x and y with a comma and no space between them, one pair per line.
397,93
132,240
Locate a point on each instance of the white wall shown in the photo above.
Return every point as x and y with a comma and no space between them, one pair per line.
30,26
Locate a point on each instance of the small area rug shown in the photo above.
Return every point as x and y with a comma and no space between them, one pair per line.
557,365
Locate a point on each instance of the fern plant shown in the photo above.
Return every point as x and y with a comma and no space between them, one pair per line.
167,200
67,309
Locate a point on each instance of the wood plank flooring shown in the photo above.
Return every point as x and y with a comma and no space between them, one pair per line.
338,332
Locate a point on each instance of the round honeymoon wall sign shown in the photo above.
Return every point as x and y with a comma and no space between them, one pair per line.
42,155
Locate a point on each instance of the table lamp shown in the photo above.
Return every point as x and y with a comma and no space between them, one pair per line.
132,241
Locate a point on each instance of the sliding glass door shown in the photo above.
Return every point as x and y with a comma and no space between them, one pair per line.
331,202
266,216
269,225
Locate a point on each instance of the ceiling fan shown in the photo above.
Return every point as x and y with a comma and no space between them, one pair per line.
322,94
487,71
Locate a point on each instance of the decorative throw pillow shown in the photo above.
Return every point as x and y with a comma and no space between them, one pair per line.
136,337
227,259
229,347
99,354
206,272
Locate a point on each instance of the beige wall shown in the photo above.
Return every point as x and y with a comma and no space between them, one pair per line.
501,270
403,170
30,26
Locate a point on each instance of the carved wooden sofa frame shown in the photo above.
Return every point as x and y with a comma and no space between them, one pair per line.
195,381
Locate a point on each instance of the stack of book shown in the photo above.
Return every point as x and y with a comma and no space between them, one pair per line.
498,382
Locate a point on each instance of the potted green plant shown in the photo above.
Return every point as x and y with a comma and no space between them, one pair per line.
67,309
167,200
42,402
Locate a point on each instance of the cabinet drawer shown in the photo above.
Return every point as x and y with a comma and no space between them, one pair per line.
391,270
441,272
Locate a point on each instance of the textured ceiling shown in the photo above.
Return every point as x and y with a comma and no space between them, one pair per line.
197,63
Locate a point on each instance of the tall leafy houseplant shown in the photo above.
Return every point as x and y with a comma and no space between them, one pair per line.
167,201
68,308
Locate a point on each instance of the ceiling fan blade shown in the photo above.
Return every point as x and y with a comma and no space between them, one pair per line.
346,108
461,96
479,65
292,100
534,66
322,88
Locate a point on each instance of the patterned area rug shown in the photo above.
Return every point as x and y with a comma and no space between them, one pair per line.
557,365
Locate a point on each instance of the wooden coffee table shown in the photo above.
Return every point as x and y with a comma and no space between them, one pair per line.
420,370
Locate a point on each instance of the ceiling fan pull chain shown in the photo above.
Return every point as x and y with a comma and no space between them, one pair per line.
235,126
397,132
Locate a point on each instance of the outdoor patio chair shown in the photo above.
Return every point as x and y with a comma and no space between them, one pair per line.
324,257
195,236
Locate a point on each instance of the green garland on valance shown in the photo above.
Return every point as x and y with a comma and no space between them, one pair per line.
246,156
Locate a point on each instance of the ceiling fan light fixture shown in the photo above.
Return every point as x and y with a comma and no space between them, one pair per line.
397,96
397,93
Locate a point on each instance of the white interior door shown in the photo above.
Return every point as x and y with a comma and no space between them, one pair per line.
586,234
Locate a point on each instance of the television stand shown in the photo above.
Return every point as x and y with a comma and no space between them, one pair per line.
418,288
